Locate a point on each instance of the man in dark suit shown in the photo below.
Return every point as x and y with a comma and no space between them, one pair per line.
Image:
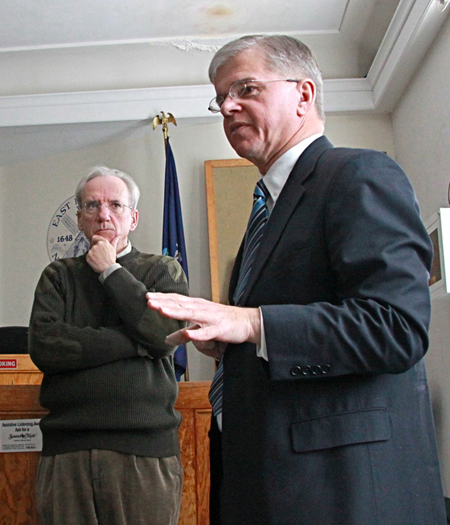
326,417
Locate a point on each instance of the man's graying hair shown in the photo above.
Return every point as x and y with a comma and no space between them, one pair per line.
103,171
284,55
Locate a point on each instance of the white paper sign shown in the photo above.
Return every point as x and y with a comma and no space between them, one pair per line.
20,435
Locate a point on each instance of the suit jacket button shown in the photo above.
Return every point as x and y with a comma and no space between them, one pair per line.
325,369
296,371
316,370
306,370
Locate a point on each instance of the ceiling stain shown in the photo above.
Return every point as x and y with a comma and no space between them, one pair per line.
219,18
219,11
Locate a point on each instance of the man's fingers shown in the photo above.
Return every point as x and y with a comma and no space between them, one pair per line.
115,242
191,333
210,348
214,321
210,320
174,311
177,338
170,305
158,298
97,238
201,333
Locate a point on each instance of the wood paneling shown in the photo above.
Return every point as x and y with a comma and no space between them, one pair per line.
17,469
19,399
202,425
194,406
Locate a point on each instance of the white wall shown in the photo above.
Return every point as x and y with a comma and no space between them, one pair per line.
374,131
421,130
31,192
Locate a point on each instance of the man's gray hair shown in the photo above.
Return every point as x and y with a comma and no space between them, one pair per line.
284,55
103,171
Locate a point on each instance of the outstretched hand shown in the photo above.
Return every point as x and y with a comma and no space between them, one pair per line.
211,325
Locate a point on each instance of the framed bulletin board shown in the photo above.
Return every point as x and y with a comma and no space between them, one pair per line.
229,196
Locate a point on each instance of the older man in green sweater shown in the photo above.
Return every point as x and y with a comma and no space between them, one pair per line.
110,440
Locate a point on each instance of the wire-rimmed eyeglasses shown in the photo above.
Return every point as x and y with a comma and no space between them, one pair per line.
115,207
243,89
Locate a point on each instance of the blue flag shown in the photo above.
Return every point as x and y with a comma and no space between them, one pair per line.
173,237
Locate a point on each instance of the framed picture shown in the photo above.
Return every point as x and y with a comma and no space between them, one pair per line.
229,199
438,228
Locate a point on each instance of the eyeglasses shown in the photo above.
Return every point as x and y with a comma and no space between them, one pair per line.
115,207
243,89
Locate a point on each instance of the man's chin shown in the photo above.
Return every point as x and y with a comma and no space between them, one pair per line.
245,147
249,152
106,234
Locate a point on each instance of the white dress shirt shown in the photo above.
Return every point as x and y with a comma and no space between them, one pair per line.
274,180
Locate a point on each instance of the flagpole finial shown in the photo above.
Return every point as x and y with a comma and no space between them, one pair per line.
162,119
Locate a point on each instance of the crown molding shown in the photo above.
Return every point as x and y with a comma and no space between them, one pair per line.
185,102
411,32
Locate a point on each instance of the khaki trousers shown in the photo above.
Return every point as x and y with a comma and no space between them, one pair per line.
102,487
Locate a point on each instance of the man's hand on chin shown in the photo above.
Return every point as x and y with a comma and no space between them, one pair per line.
103,253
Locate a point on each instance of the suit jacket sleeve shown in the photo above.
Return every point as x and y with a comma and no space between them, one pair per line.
359,300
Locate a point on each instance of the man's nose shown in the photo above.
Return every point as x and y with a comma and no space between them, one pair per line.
229,105
104,212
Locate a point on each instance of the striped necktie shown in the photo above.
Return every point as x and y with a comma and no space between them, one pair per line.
255,229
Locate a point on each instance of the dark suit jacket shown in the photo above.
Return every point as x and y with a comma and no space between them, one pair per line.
336,428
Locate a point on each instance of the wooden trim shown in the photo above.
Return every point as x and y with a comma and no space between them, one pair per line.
193,393
212,230
15,398
202,426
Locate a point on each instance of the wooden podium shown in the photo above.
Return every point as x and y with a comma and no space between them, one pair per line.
19,399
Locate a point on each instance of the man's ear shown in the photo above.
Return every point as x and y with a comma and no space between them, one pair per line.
134,220
307,90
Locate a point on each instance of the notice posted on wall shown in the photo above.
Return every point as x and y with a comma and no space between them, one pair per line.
20,435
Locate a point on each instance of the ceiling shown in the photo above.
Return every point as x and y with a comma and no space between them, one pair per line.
85,21
79,73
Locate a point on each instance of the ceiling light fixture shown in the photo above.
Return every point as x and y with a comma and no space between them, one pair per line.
442,4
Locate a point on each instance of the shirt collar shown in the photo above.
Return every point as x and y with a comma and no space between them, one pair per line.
278,173
125,251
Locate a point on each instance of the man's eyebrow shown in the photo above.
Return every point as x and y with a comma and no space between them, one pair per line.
111,201
246,79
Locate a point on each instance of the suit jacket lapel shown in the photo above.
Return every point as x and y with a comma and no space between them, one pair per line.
286,204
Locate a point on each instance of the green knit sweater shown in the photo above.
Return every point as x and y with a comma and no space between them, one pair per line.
109,380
